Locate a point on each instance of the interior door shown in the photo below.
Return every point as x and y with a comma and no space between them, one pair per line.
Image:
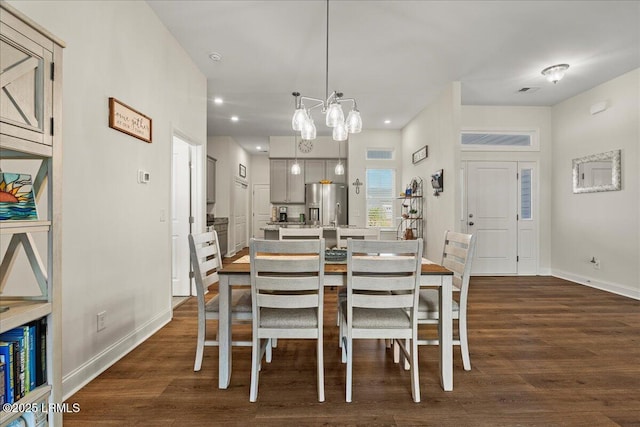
492,215
240,215
261,209
180,215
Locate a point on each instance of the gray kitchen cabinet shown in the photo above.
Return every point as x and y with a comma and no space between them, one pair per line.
330,171
314,171
211,179
286,188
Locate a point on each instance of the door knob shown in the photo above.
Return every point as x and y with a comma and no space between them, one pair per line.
471,223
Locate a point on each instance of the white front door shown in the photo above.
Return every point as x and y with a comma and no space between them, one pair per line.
180,214
492,208
240,215
261,209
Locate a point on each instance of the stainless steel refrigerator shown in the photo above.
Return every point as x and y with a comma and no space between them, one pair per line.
326,204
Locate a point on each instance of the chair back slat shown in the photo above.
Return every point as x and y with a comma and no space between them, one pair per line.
457,256
300,233
382,300
204,252
285,283
384,282
342,234
382,264
285,263
287,301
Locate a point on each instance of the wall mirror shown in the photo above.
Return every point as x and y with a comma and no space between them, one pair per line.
598,172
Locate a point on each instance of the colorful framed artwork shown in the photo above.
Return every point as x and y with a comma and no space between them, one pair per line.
17,200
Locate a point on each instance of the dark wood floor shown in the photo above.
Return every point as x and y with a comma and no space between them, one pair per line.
544,352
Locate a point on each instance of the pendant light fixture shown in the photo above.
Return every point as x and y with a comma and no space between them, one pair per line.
302,120
339,170
295,167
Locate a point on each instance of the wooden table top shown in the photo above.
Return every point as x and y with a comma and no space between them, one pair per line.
240,267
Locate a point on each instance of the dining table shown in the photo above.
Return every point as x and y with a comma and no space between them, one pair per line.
433,275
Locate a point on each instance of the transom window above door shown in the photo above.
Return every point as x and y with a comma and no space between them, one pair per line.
475,140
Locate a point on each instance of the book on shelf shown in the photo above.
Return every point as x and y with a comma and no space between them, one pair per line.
6,355
3,394
21,343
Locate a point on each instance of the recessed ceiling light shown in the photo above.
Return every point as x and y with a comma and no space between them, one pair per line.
386,122
215,56
217,100
258,148
234,118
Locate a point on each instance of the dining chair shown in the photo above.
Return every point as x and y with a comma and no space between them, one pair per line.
286,233
457,256
382,300
343,233
206,259
287,293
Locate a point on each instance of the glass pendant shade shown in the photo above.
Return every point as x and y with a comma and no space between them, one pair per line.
555,73
295,168
354,122
334,114
308,130
299,118
340,132
339,170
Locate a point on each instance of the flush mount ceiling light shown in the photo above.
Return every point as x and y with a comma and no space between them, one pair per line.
218,101
215,56
555,73
302,120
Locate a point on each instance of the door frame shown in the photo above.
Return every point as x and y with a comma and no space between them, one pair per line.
197,158
533,266
253,206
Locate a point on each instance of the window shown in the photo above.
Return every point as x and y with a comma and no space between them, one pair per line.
525,194
380,154
499,141
380,190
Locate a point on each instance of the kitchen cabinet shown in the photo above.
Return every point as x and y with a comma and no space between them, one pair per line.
31,133
211,179
314,171
286,188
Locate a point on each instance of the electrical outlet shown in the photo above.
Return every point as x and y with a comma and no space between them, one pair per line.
101,317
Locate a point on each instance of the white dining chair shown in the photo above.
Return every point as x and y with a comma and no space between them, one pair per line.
382,300
344,233
285,233
457,256
205,254
287,293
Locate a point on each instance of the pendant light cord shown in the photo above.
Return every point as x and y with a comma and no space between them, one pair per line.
326,83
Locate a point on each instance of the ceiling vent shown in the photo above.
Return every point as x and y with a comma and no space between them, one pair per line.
528,89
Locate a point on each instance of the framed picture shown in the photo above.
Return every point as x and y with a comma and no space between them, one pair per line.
17,198
129,121
421,154
242,171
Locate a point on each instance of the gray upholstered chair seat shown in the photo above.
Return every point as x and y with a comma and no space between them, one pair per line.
293,318
377,318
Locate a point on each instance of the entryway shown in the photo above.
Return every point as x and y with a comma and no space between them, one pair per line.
501,209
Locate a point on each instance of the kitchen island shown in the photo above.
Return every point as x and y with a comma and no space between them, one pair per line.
328,231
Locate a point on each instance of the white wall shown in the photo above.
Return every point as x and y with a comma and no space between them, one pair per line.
116,250
324,147
604,225
492,118
229,155
437,126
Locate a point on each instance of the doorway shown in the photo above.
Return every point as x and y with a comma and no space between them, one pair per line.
261,209
240,214
501,210
186,200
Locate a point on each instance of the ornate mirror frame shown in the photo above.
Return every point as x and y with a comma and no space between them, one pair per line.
614,157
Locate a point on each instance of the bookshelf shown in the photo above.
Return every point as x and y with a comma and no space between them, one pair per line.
31,138
411,221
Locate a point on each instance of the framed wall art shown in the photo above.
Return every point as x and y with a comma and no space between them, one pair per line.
129,121
419,155
242,171
17,199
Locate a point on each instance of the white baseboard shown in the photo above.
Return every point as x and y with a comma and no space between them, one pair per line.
81,376
604,286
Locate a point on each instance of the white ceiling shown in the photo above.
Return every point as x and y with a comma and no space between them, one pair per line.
394,57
